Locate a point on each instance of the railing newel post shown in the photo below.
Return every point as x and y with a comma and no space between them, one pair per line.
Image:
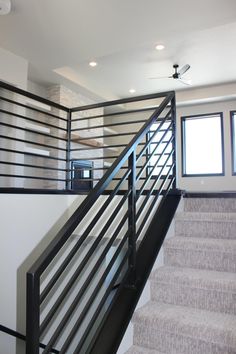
32,313
132,217
173,118
68,151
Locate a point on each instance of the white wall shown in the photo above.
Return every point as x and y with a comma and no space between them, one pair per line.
28,223
13,69
217,183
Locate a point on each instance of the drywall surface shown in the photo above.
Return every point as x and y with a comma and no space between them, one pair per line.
28,223
209,183
13,69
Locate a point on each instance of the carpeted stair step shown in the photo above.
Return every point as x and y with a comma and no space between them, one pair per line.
140,350
203,289
184,330
215,225
202,253
217,205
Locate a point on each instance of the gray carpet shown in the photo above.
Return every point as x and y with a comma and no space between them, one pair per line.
193,296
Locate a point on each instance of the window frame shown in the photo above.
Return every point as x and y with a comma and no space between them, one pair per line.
233,141
183,145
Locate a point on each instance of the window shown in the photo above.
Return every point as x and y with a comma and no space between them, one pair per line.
202,145
233,140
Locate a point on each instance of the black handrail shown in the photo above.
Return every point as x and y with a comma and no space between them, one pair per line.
130,216
32,96
43,261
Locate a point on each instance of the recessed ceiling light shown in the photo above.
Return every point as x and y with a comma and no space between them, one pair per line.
160,47
93,63
132,90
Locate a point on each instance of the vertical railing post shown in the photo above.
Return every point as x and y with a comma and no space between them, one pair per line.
32,314
173,119
132,217
68,147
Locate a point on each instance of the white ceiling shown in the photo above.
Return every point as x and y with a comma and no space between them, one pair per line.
121,36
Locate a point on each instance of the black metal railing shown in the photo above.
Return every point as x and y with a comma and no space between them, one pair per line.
47,146
72,285
34,141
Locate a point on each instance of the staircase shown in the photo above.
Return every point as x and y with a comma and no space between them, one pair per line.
193,296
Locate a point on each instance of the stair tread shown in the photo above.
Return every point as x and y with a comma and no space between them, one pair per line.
209,326
207,216
199,278
200,243
141,350
210,204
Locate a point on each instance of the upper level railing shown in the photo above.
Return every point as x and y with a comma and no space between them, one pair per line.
49,147
34,143
72,285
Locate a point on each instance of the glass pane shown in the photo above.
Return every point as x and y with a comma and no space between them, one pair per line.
203,145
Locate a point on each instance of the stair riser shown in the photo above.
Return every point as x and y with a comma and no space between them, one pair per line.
202,228
205,299
171,342
209,259
219,205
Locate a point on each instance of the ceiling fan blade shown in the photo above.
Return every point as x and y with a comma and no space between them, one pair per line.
187,82
184,69
160,77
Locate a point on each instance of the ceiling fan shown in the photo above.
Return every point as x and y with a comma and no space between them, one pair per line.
177,74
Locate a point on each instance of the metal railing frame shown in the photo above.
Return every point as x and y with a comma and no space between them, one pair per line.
130,162
129,156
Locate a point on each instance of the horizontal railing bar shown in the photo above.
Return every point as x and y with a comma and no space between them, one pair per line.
99,147
33,166
109,146
33,154
83,263
153,202
32,177
149,176
104,136
81,240
102,301
152,154
122,191
122,101
81,292
149,142
141,208
32,142
62,236
95,158
113,124
32,131
98,168
32,119
104,157
21,92
98,179
130,111
149,156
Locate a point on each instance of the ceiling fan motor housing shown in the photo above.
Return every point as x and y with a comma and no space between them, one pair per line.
176,74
